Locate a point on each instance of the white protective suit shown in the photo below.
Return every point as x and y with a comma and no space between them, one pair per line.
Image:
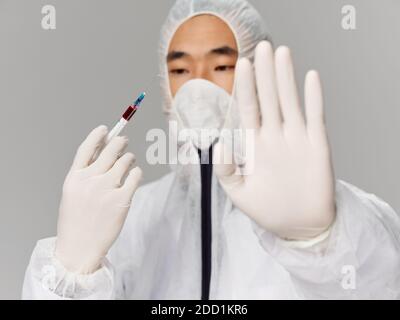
158,254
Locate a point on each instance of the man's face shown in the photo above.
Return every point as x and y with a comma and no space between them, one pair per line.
203,47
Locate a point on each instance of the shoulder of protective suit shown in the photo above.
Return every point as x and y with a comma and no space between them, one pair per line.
359,205
343,187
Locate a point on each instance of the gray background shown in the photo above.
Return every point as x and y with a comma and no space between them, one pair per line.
57,85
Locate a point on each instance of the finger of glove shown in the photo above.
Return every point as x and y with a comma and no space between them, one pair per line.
287,89
111,153
86,150
120,169
131,184
266,86
246,95
314,107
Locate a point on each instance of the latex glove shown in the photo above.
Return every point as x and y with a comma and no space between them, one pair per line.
94,202
290,188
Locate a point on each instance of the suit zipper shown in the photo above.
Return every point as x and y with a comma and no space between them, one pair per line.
206,228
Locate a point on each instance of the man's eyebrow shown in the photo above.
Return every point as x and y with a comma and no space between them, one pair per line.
225,50
174,55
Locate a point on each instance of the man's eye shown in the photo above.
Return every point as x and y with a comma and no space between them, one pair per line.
224,68
179,71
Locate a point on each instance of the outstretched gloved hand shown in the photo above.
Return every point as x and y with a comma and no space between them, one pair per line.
290,189
95,202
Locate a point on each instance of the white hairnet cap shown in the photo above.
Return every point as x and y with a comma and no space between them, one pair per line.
244,21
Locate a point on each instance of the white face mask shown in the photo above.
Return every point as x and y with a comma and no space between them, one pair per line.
200,107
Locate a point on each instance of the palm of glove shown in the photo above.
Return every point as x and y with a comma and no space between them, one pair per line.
288,188
94,211
95,202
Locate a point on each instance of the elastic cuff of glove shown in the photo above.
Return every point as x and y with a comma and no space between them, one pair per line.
267,237
304,244
89,267
82,271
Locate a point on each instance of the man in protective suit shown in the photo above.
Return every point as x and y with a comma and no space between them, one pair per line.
275,226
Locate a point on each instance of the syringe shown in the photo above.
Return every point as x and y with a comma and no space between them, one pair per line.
126,116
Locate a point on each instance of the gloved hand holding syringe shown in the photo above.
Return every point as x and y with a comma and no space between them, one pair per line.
97,195
126,116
